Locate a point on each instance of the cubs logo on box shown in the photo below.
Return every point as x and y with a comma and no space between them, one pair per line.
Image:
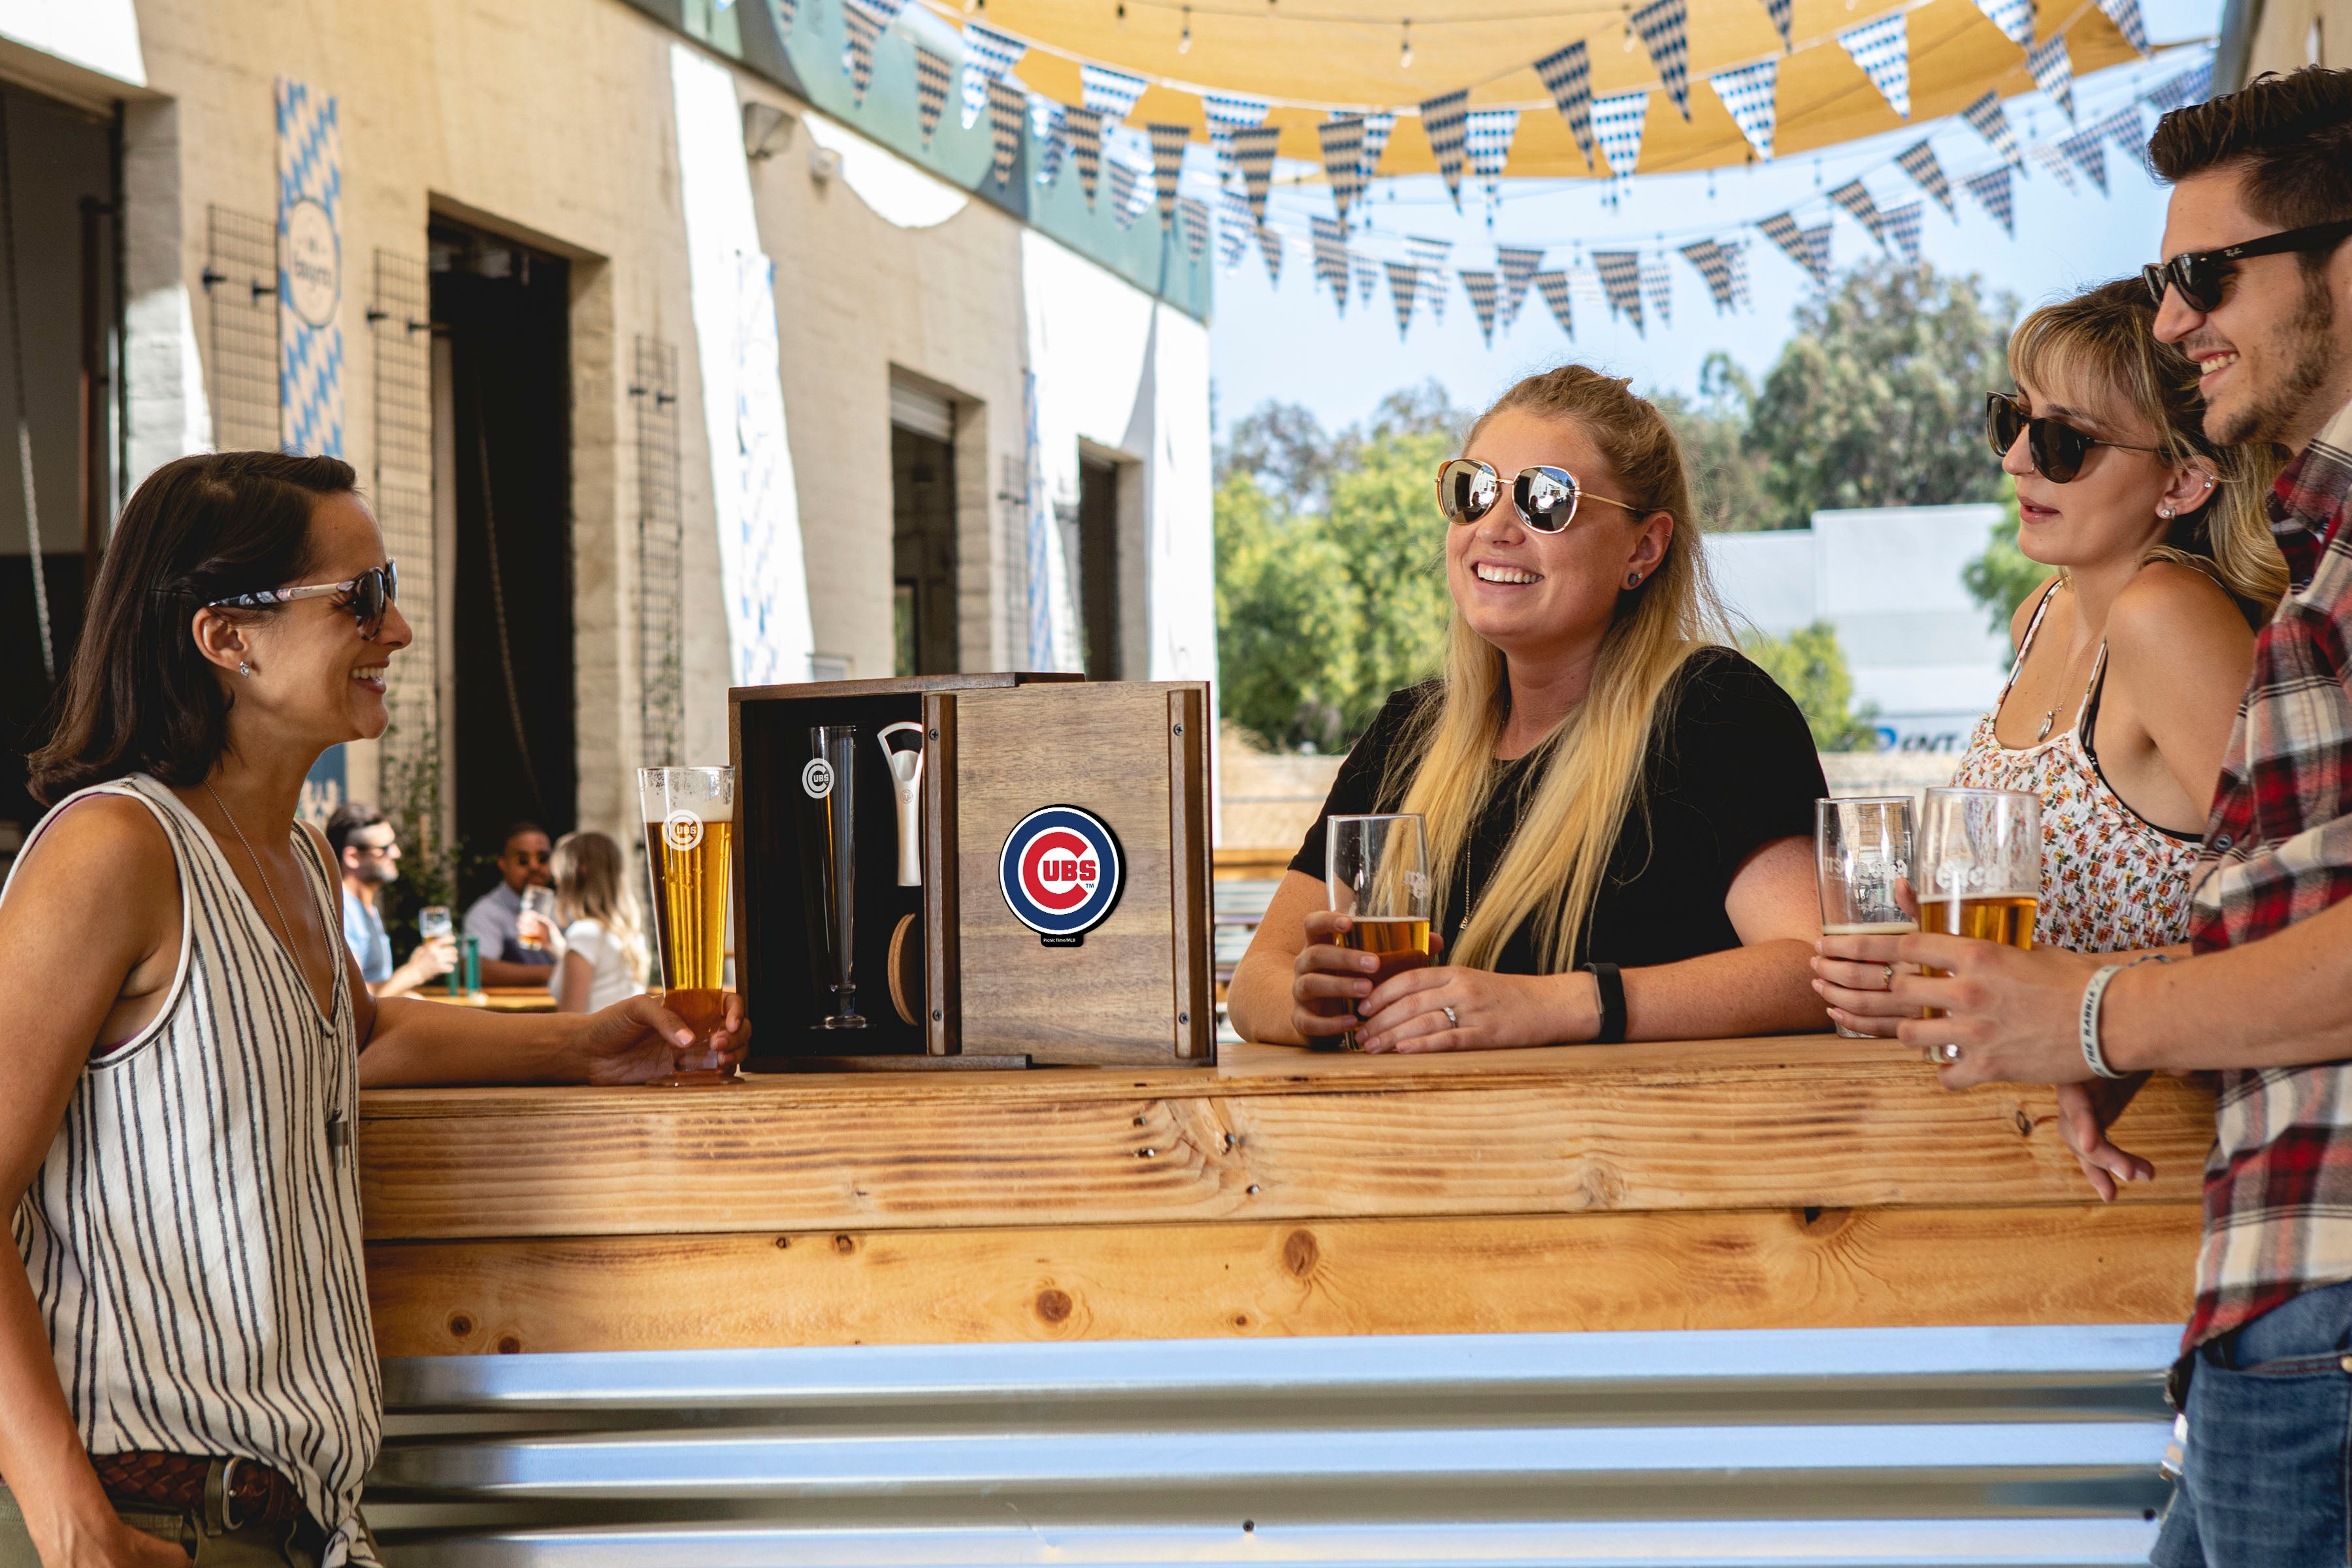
1061,874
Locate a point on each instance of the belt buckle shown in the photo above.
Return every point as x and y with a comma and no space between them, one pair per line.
226,1509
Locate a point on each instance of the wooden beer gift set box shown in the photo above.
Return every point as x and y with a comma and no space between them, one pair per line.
1051,903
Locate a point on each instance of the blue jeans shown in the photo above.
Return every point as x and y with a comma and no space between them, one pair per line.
2270,1443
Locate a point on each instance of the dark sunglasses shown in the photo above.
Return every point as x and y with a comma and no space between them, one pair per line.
2058,449
2200,274
371,592
1547,498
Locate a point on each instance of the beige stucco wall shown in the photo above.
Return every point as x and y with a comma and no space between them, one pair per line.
2286,39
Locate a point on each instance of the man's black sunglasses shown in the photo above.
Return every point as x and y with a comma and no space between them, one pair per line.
2057,448
2200,274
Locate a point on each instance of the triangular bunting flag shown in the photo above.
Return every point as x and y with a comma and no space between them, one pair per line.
987,55
1006,109
1735,262
2177,92
2053,162
1445,119
1567,75
1168,145
1817,241
2090,155
1988,120
1254,151
2124,128
932,74
1486,139
1713,264
1617,126
1192,219
1234,226
1269,244
1585,283
1085,128
1918,161
1903,227
1342,137
1664,26
863,21
1480,286
1991,191
1126,186
1109,93
1226,113
1553,287
1621,278
1856,199
1882,50
2125,14
1518,263
1780,10
2013,17
1048,130
1367,277
1402,276
1376,141
1658,289
2052,71
1749,95
1782,230
1428,261
1331,257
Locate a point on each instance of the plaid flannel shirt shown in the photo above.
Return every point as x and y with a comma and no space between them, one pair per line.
2278,849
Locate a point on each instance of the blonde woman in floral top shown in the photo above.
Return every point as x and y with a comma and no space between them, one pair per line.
2132,657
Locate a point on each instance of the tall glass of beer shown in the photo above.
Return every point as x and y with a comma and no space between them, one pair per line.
1979,865
689,816
1377,872
1863,847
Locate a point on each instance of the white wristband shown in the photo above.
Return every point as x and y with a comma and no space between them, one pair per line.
2093,995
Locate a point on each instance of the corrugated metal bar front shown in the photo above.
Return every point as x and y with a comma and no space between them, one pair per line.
1853,1447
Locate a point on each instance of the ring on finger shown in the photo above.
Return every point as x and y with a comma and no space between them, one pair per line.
1942,1053
1888,970
1452,1018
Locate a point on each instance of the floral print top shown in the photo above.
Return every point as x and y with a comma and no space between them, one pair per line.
2111,881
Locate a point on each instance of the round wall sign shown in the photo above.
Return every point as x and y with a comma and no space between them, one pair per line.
314,263
1060,872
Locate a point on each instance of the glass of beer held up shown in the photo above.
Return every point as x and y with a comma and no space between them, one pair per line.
1863,846
1979,865
1377,873
689,817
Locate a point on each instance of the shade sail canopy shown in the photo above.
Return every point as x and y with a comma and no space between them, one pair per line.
1310,58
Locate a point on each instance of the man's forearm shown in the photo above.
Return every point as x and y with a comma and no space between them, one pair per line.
2279,1001
417,1043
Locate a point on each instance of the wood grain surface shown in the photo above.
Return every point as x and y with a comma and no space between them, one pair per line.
1695,1270
1271,1134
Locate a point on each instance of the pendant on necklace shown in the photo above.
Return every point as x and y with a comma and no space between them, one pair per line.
2047,719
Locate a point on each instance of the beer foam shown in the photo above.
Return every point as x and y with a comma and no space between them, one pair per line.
656,807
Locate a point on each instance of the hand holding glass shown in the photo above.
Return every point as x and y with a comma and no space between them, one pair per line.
1863,847
1980,865
689,817
1377,874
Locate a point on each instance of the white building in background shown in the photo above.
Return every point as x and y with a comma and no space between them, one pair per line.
1922,652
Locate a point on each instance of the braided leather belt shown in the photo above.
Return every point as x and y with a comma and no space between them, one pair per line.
254,1494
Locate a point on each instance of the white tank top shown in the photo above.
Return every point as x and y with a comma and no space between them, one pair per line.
193,1237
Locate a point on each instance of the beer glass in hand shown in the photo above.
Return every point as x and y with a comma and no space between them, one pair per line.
540,901
689,817
1980,865
1377,874
1863,847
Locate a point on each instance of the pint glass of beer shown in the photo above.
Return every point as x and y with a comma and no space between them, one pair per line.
1377,872
689,817
1979,865
1863,847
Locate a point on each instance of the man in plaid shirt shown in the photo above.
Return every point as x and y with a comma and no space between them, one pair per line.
2257,289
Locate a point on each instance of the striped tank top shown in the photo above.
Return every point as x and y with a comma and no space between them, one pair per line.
193,1235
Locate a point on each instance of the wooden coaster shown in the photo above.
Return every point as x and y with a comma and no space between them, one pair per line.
906,968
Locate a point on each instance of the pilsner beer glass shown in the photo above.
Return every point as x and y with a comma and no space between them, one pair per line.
432,922
829,867
1861,847
689,817
540,901
1377,872
1980,865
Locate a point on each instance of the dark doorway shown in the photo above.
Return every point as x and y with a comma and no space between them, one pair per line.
1099,564
923,552
60,242
506,309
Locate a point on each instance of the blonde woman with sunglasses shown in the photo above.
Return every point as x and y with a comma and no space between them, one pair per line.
1619,806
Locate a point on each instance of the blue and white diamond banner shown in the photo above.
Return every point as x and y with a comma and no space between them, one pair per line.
1621,278
1567,75
2190,87
1782,11
2090,155
1553,286
1918,161
310,271
1402,276
1903,227
2125,14
1376,141
1617,123
933,72
1342,139
1109,93
1518,265
2054,71
987,55
2013,17
1664,30
1991,191
1486,139
1480,286
1445,119
1988,120
1882,50
1781,230
1854,197
1750,96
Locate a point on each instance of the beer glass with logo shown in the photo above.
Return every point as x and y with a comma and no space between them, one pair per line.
689,816
1377,872
1863,847
1979,865
829,869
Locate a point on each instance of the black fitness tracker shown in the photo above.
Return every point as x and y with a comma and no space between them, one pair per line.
1613,1002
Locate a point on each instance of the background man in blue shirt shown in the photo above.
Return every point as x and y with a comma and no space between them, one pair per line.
365,848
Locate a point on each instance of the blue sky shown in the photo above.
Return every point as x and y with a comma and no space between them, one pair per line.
1291,344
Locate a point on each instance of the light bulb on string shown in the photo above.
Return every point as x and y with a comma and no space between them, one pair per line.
1121,14
1404,45
1185,39
1629,40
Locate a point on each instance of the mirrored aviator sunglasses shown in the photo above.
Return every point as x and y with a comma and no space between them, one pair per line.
1546,497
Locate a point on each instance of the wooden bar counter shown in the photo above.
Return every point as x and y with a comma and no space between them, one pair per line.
1797,1181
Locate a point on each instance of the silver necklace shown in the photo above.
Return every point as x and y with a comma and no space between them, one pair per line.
284,924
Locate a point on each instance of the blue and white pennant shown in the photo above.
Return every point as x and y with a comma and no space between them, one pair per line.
309,270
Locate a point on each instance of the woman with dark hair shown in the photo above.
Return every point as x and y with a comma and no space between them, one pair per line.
185,1354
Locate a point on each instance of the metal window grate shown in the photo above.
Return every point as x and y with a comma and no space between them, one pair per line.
240,282
661,633
400,323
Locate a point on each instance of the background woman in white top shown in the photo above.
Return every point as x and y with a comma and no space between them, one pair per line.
604,946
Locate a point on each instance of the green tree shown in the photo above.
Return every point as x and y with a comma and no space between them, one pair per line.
1384,525
1811,667
1874,401
2004,576
1726,478
1287,621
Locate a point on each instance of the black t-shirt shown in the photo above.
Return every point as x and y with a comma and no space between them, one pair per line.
1734,769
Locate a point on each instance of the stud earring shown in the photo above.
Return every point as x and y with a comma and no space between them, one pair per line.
243,667
2164,511
1632,579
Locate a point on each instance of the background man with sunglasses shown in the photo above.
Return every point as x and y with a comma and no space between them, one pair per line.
495,919
2256,288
